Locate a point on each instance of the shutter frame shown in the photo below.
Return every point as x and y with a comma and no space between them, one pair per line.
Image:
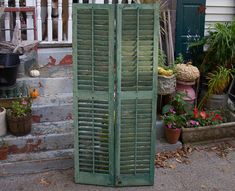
122,95
93,95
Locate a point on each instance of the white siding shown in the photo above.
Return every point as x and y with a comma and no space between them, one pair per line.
218,11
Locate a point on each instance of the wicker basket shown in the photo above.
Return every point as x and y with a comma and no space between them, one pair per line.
166,84
19,126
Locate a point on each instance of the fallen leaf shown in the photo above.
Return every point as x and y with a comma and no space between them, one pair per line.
44,181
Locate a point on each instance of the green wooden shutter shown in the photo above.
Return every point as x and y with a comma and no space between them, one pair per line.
93,62
137,44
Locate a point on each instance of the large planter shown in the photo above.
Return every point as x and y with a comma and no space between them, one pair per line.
208,133
19,126
172,135
217,101
3,127
9,63
166,84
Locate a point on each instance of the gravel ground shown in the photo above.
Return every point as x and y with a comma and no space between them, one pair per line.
205,171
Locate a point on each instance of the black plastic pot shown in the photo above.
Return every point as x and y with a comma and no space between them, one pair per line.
9,63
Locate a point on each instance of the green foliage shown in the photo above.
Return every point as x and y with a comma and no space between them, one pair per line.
174,112
179,59
161,58
21,108
219,80
221,46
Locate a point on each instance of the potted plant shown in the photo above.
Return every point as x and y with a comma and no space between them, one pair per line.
3,150
3,128
173,123
19,117
174,117
218,83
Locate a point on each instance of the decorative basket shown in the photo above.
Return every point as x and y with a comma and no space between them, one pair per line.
19,126
166,84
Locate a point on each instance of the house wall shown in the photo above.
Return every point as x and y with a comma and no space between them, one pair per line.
218,11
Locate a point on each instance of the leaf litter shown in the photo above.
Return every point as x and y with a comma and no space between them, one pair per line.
168,159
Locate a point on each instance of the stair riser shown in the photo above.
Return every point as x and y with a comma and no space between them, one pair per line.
28,144
63,99
52,128
49,86
52,113
29,167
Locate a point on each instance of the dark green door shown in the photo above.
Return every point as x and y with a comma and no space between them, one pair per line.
189,24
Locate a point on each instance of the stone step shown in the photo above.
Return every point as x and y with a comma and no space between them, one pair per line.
28,163
58,127
36,143
58,99
52,113
49,86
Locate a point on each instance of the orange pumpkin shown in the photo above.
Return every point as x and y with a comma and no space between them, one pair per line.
34,94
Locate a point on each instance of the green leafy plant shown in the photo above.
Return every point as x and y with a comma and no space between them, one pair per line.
221,46
179,59
21,108
219,80
172,119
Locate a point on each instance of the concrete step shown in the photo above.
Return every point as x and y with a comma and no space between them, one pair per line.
36,143
58,127
49,86
27,163
57,99
52,113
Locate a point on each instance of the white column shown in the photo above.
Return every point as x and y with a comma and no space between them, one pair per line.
99,1
29,21
129,1
70,27
110,1
7,23
119,1
90,1
17,3
39,20
80,1
49,20
60,23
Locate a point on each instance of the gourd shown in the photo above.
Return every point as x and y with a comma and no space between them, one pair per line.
186,72
34,94
34,73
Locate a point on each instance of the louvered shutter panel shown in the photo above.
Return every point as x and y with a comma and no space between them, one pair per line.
93,66
137,40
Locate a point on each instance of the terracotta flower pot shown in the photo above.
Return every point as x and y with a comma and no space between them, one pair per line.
3,152
172,135
19,126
